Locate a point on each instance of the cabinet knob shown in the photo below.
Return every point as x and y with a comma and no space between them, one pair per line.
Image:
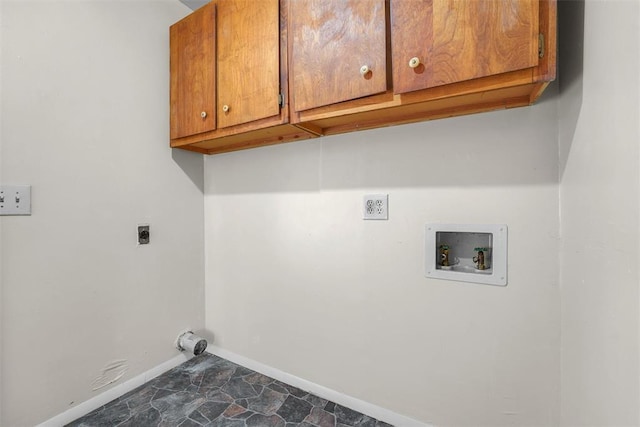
203,114
364,70
225,108
414,62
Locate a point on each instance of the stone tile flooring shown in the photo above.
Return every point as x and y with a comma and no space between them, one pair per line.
210,391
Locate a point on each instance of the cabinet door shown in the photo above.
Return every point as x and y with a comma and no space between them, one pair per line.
192,66
248,60
338,50
437,42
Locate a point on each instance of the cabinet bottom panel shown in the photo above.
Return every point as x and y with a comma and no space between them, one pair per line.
257,138
498,99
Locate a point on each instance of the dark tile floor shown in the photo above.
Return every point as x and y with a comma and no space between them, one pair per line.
210,391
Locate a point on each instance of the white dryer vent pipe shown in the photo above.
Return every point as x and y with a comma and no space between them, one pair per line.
188,341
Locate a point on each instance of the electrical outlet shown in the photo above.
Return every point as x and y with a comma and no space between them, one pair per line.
376,206
143,234
15,200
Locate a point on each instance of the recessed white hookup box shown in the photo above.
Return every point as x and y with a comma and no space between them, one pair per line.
474,253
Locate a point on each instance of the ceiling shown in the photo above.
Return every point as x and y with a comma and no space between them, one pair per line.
194,4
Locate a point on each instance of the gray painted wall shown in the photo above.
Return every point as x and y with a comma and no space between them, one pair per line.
599,138
297,280
85,122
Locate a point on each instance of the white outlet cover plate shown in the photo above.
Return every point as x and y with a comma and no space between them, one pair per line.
375,206
16,200
498,275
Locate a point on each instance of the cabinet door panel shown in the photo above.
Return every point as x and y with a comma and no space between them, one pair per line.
457,40
331,41
192,66
248,60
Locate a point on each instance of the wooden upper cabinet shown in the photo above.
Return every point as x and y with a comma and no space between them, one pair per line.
249,73
248,61
438,42
337,51
193,68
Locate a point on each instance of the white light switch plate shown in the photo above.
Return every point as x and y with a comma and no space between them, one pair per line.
15,200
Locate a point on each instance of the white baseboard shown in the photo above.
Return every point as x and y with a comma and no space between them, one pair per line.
113,393
326,393
374,411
